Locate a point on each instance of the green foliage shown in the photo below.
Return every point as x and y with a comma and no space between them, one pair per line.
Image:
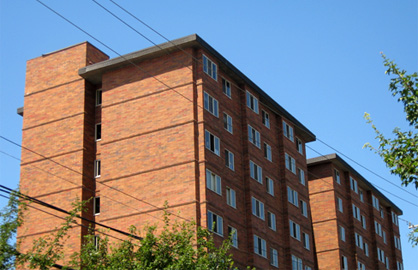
400,153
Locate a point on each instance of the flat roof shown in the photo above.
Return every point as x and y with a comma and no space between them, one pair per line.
93,73
336,159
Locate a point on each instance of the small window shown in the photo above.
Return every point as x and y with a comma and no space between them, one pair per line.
381,255
265,118
215,223
213,182
304,208
270,186
356,212
384,237
98,132
342,233
257,208
210,68
97,168
353,184
299,146
366,249
292,196
288,131
226,87
294,230
96,241
98,97
361,266
382,212
387,263
296,263
231,197
375,202
301,176
96,205
228,123
359,240
397,242
395,219
260,246
212,142
399,266
340,205
337,176
271,220
211,104
290,163
256,172
274,257
267,151
233,234
254,136
305,239
229,159
363,222
344,263
378,228
360,192
252,102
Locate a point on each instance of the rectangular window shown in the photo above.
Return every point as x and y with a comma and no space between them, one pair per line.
294,230
340,205
399,266
231,197
366,249
228,123
363,222
254,136
265,118
296,263
375,202
308,267
211,104
96,241
212,142
356,212
361,195
96,205
215,223
395,219
359,240
271,220
382,212
257,208
353,184
387,263
299,146
256,172
397,242
274,257
378,228
267,151
260,246
304,208
233,234
226,87
210,68
290,163
381,255
213,182
252,102
288,131
342,233
270,186
384,237
292,196
98,97
306,241
301,176
98,132
97,168
337,176
361,266
229,159
344,263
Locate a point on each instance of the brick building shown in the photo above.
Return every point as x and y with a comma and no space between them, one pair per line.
355,226
171,122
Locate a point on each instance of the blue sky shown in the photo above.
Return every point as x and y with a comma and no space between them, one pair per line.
319,59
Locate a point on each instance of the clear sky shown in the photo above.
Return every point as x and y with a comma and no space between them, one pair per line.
320,60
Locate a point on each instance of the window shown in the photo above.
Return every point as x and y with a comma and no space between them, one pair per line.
356,212
387,263
98,97
210,68
366,249
256,172
342,233
378,228
274,257
233,234
213,182
254,136
301,176
384,237
375,202
382,212
267,151
397,242
211,104
265,118
231,197
361,266
296,263
337,176
228,123
98,132
395,219
363,222
271,220
257,208
229,159
96,241
353,184
212,142
294,230
252,102
270,186
260,246
381,255
226,87
340,205
305,239
96,205
359,240
361,195
288,131
215,223
290,163
304,208
97,168
399,266
344,263
299,145
292,196
308,267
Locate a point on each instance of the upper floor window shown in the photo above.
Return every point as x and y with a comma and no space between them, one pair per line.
305,239
359,240
304,208
257,208
381,255
229,159
363,222
397,242
254,136
96,206
215,223
342,233
301,176
97,168
299,146
296,263
292,196
274,257
271,220
270,186
375,202
344,263
210,68
226,87
290,163
395,219
231,197
256,172
213,182
98,97
337,176
260,246
294,230
98,132
360,192
353,184
212,142
340,205
361,266
399,266
356,212
382,212
378,228
211,104
252,102
288,131
233,233
228,123
267,151
366,249
265,118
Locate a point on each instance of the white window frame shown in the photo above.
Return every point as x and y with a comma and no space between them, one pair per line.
260,246
337,176
387,263
233,234
213,182
228,123
361,194
271,220
257,208
267,152
363,222
382,212
356,212
395,219
384,236
296,263
340,205
301,176
98,132
288,131
375,202
212,143
96,206
256,172
270,186
299,145
360,266
353,184
381,255
378,228
274,257
252,102
366,249
290,163
99,96
254,136
215,226
397,242
399,266
292,196
226,87
294,229
305,238
359,240
344,263
265,118
211,104
342,233
97,168
229,159
210,68
304,208
231,198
